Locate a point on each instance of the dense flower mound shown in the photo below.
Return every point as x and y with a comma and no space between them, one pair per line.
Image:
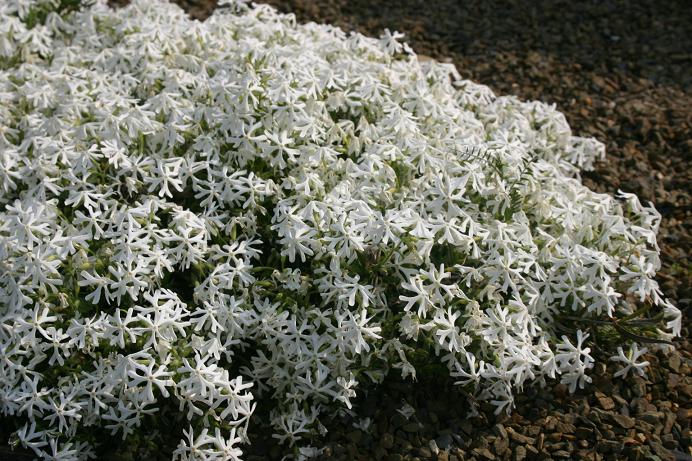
197,217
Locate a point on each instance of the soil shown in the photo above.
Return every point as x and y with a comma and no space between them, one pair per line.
621,71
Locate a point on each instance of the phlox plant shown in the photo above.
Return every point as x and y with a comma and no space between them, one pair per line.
205,221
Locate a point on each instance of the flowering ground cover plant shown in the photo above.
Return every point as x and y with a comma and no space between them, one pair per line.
204,223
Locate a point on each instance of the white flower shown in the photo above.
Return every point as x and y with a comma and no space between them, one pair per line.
447,332
146,375
629,361
573,361
409,326
196,447
471,375
351,288
422,296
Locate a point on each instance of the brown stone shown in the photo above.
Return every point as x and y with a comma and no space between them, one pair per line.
623,421
520,438
484,453
604,401
519,453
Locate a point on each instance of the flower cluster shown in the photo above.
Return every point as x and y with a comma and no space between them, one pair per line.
197,215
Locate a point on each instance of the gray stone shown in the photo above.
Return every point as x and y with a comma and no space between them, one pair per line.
444,441
433,447
500,431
